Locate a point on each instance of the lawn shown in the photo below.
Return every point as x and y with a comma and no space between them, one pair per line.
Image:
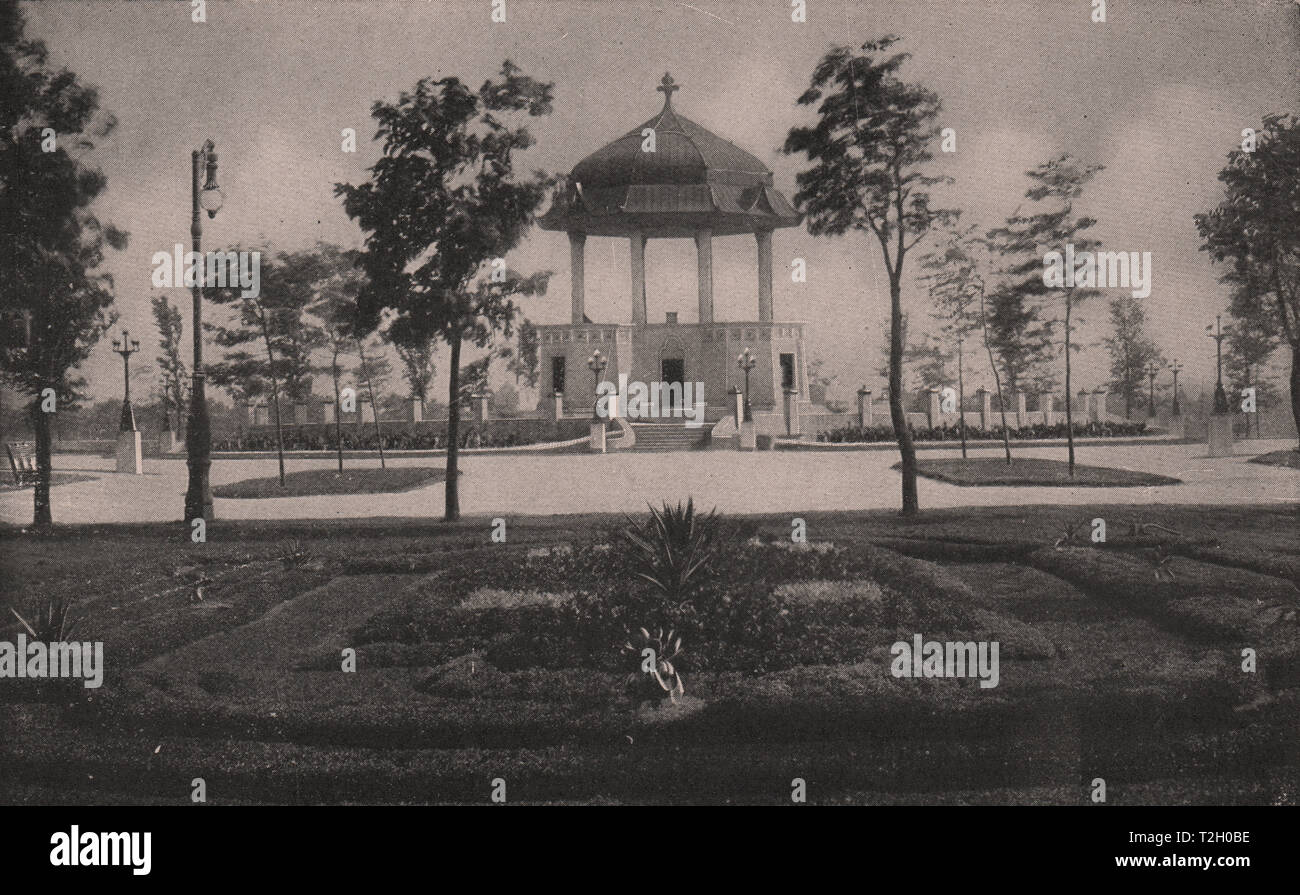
314,482
1026,471
476,660
1288,459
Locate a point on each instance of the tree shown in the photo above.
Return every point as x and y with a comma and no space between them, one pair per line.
54,300
522,361
337,283
443,202
171,367
1246,355
276,316
956,303
505,400
957,287
1029,274
868,152
1130,351
417,368
373,371
1256,231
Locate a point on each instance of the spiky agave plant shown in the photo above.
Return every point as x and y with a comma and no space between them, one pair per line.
655,676
674,547
52,624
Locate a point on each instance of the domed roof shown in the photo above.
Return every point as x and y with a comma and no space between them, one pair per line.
692,179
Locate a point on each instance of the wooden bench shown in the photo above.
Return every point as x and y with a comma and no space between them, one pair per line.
22,460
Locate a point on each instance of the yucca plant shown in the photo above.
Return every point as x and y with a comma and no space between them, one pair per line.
674,547
655,676
292,554
52,624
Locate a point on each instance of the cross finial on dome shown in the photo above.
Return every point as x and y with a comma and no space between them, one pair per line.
667,88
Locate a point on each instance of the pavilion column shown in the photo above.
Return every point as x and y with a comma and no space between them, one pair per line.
638,241
764,238
578,274
704,254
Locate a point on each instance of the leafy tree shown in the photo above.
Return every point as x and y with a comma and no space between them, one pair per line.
1255,230
442,203
1130,351
505,400
54,299
337,281
868,150
522,361
417,368
955,307
171,367
373,371
957,288
1018,336
276,316
1246,355
1058,182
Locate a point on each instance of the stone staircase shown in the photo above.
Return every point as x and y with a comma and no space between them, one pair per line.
674,436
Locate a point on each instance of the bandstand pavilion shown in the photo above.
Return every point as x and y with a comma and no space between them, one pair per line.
693,185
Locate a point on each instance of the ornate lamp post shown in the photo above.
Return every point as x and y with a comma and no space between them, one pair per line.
1220,396
1152,370
1175,367
596,364
126,347
198,441
747,362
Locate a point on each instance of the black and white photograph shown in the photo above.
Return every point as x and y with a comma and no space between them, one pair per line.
465,403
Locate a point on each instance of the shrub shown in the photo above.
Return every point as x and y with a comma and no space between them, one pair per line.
50,624
674,548
1090,429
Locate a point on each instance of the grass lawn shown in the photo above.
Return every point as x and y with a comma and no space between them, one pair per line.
313,482
56,479
476,660
1289,459
986,471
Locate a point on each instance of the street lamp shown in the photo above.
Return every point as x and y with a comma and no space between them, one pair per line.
1152,370
198,440
1220,396
1175,367
747,362
596,364
126,347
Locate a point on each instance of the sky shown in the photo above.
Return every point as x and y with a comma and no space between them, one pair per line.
1159,93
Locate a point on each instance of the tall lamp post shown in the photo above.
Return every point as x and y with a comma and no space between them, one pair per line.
596,364
1175,367
1220,396
747,362
1152,370
126,347
198,440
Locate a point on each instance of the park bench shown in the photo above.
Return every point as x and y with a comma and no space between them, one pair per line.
22,460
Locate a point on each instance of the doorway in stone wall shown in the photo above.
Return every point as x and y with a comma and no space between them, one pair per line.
672,370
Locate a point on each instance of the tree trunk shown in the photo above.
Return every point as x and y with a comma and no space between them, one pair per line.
961,400
338,409
275,401
1295,385
374,405
1069,416
997,381
897,416
452,512
44,467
